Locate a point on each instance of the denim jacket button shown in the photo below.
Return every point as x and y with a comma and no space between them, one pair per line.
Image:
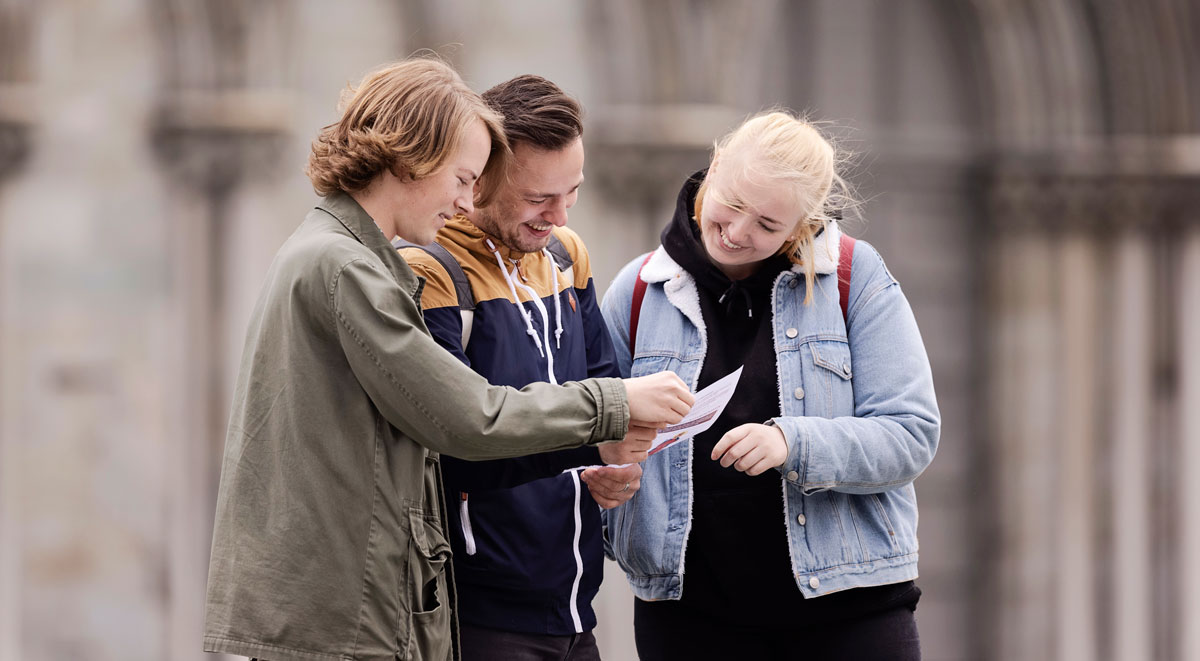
793,282
846,368
814,582
792,332
799,393
801,520
793,475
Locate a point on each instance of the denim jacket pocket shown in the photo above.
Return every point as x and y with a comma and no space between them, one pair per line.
830,378
428,592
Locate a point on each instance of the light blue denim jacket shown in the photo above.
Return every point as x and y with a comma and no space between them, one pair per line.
859,415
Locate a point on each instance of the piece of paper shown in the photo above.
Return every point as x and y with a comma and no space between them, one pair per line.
710,402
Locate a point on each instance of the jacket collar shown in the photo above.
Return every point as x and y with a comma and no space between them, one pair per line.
356,220
826,247
464,233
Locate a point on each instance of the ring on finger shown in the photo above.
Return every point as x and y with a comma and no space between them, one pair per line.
624,488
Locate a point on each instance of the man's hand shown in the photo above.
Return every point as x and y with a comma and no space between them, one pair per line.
752,448
657,400
612,485
631,449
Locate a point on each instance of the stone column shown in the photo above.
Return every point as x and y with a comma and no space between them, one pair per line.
1188,465
224,113
1075,370
15,124
14,147
1130,385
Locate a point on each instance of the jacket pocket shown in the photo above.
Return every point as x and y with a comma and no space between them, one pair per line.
831,374
428,594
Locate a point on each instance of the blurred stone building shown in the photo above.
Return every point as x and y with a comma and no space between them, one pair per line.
1030,171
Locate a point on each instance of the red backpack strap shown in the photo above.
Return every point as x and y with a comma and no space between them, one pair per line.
845,259
635,309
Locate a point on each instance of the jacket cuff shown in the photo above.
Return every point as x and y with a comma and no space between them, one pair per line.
800,469
612,409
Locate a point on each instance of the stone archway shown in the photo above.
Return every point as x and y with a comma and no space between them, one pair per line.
1090,243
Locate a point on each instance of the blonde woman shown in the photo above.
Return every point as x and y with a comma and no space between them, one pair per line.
788,529
330,530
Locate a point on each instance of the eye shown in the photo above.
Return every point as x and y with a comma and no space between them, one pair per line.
463,182
767,227
537,201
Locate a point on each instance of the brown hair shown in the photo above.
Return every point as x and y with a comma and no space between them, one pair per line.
407,117
536,112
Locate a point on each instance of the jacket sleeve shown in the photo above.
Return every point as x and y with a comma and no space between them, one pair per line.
894,432
434,399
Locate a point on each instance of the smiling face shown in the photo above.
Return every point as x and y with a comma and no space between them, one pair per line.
745,218
542,185
418,208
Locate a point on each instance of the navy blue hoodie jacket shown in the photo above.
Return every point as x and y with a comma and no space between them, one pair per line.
526,536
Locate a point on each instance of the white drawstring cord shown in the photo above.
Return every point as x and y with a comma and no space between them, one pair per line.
517,300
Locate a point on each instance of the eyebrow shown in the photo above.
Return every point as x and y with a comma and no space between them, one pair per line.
529,192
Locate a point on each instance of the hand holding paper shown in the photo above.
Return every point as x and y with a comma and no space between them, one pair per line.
631,449
657,398
709,404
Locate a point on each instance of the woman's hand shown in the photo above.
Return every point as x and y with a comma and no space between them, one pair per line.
657,400
752,448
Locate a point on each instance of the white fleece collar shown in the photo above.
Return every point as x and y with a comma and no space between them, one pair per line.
826,250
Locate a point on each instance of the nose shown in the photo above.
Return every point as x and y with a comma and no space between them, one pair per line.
465,203
738,230
556,213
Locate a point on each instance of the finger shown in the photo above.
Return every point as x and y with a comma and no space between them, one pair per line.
729,439
733,453
762,466
637,453
606,488
640,434
752,457
608,482
622,473
670,415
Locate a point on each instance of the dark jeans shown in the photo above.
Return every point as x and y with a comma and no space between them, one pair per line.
479,644
665,634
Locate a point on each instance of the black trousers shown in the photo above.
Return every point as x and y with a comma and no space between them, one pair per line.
479,644
666,634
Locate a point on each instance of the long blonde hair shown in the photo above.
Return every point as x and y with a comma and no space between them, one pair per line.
791,151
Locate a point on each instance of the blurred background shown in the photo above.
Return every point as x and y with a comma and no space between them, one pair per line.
1030,169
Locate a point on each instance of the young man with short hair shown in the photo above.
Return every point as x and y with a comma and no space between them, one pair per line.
527,540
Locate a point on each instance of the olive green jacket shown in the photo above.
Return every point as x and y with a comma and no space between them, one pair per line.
330,531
